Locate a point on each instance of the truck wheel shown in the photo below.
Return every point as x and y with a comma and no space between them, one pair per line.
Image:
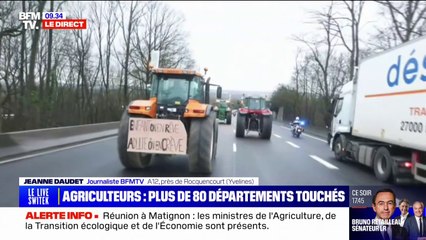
240,126
266,128
201,144
132,160
228,118
383,164
338,148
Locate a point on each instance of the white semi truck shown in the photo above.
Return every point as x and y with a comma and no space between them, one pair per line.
379,118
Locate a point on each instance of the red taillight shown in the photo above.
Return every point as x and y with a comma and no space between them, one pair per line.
134,107
198,111
405,164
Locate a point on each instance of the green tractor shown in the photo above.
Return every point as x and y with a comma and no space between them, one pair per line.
224,112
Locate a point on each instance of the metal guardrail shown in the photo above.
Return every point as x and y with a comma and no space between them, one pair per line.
18,143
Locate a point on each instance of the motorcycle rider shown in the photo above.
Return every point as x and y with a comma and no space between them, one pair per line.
295,123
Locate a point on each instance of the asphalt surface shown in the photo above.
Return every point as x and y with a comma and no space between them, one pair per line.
282,160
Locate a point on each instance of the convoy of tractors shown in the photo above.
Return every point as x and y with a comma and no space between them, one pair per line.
180,118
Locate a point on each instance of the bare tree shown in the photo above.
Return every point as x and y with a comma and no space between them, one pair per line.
44,72
33,109
407,20
324,69
308,86
297,79
104,22
352,22
8,77
22,71
7,31
127,32
50,71
7,8
83,41
159,29
323,49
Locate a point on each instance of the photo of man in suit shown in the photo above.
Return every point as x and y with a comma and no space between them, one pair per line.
416,225
384,204
404,205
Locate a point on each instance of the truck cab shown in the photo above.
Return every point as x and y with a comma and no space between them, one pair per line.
389,162
343,112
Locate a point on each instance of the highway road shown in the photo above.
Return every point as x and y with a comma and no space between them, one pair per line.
282,160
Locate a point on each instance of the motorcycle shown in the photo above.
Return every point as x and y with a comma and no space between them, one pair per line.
297,130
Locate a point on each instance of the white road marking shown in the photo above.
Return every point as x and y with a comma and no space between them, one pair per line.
323,162
293,145
52,151
305,134
276,135
234,147
316,138
233,130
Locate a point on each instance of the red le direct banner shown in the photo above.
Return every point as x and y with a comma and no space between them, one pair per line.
64,24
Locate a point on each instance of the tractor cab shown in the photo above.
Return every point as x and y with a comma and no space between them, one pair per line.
253,103
174,90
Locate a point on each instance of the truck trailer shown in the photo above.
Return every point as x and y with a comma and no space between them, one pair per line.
379,118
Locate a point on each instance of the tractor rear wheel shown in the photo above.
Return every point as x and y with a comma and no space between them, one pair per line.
201,147
241,122
131,160
228,117
266,129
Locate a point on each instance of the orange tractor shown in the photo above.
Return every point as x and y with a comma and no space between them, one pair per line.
178,119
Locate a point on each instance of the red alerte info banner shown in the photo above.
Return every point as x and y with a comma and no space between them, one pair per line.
64,24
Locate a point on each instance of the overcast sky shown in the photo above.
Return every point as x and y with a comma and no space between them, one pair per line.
247,45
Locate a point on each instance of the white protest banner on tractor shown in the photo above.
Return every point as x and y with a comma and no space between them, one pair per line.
162,136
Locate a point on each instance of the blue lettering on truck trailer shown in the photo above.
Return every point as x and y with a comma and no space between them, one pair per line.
410,71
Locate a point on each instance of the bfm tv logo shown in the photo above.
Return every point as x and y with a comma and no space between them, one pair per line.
51,20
